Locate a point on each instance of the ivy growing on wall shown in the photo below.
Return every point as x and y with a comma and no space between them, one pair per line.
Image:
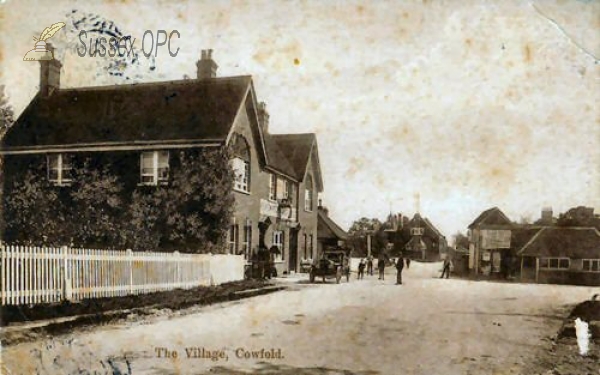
102,209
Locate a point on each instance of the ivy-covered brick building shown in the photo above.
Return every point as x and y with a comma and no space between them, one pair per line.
188,165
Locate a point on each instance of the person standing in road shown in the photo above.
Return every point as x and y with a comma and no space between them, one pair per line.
361,269
407,263
446,267
370,265
399,267
381,267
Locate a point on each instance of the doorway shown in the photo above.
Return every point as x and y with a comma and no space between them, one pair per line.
293,259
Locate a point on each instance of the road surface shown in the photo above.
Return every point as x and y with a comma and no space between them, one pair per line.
426,326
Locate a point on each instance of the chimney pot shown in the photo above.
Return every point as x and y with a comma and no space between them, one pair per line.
263,117
207,68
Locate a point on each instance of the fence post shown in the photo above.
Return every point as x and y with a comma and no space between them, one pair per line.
130,267
177,280
210,268
67,287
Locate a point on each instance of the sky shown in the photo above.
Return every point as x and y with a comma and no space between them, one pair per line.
469,104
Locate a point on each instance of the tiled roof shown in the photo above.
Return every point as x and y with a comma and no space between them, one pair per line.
491,216
175,110
325,220
572,242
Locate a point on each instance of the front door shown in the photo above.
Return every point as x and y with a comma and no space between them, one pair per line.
293,250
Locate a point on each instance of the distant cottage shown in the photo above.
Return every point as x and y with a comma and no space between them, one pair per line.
545,253
144,126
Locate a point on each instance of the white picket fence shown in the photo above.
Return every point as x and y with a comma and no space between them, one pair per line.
32,275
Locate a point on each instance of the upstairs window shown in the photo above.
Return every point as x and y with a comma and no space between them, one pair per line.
308,194
240,163
282,189
273,187
59,169
154,167
241,173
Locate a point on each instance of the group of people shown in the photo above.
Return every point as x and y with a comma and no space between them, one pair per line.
399,264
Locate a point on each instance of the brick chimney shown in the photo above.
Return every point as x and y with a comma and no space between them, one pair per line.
49,74
207,67
323,208
546,216
263,117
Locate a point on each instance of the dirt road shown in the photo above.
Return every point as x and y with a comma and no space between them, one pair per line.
427,326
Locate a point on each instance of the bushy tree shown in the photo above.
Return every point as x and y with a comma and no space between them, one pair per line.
199,200
460,241
191,214
357,236
96,205
33,211
6,113
143,230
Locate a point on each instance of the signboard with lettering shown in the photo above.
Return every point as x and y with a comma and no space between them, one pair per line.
495,239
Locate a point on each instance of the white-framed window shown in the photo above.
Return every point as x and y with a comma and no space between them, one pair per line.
247,242
308,194
232,239
241,173
154,167
417,231
291,195
59,169
591,265
240,163
278,240
273,187
282,188
555,263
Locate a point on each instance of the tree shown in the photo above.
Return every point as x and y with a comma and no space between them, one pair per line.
35,211
6,121
96,205
460,241
199,201
357,236
6,113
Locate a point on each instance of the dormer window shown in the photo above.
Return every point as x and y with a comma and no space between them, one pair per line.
59,169
154,168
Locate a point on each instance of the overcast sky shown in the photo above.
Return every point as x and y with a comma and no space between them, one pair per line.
472,104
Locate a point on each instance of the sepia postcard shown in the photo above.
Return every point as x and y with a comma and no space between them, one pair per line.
300,187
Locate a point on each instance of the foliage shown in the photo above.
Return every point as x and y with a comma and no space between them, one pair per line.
95,205
460,241
99,210
199,202
580,216
33,211
142,230
357,236
6,113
